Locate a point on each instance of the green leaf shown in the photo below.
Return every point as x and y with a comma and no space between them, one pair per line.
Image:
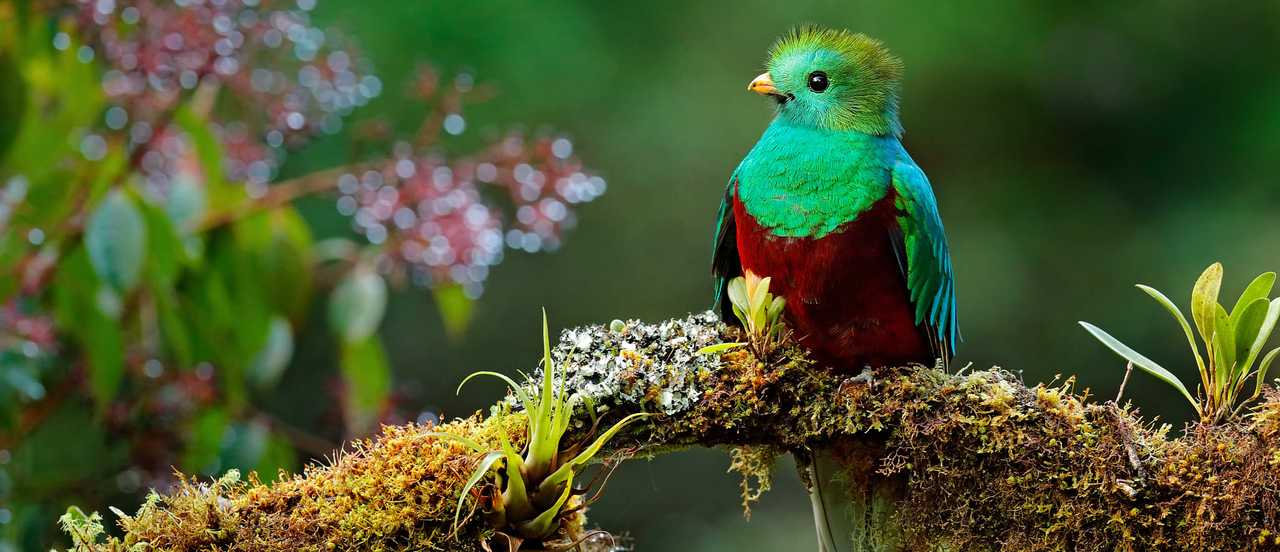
1246,326
542,525
204,442
368,382
1259,288
186,203
1140,361
516,495
718,348
455,309
760,301
173,328
104,344
277,456
460,439
357,304
220,195
1224,346
269,364
775,308
116,238
565,472
1204,301
524,398
13,101
1182,321
165,252
482,469
737,290
287,263
1264,331
1265,365
542,443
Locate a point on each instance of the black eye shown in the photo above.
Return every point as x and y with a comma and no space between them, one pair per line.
818,81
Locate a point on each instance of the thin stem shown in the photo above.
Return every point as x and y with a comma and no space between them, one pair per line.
1127,370
283,193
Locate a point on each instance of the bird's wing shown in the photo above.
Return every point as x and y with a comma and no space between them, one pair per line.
925,258
725,264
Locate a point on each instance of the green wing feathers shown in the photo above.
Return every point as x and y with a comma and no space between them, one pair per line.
926,258
725,263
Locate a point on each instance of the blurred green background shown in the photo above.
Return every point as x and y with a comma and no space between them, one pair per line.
1075,148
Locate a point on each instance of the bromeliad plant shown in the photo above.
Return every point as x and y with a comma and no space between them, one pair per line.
759,312
531,492
1232,341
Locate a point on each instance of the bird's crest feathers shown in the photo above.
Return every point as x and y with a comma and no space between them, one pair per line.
865,78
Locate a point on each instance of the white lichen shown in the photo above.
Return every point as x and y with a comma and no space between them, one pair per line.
631,363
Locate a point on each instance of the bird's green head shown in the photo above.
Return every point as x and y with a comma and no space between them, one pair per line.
833,79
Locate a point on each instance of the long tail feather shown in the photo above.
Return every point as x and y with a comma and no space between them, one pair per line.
831,515
849,517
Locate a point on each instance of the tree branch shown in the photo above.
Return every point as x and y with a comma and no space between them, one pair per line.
974,461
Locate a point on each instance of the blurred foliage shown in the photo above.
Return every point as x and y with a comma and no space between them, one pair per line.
158,273
1073,147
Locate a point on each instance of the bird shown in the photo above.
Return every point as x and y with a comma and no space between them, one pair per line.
829,205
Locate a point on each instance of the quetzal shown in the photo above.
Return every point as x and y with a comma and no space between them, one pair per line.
830,206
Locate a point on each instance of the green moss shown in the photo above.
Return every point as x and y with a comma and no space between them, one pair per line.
978,461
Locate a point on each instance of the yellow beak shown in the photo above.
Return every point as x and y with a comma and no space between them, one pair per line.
763,85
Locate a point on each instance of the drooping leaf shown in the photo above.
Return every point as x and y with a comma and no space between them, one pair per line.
268,366
357,304
1264,331
1204,302
458,438
1140,361
524,398
482,469
368,382
116,238
1265,365
1182,321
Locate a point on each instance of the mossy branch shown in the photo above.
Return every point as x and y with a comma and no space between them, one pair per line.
976,461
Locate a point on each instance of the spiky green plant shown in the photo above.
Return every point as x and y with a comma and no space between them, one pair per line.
760,313
532,490
1232,341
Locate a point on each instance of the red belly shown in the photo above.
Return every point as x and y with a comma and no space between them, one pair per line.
847,300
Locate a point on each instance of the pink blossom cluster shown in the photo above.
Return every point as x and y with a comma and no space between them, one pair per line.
435,220
287,79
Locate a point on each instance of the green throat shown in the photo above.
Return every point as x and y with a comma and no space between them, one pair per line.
802,181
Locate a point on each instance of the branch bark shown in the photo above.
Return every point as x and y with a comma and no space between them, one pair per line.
970,461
